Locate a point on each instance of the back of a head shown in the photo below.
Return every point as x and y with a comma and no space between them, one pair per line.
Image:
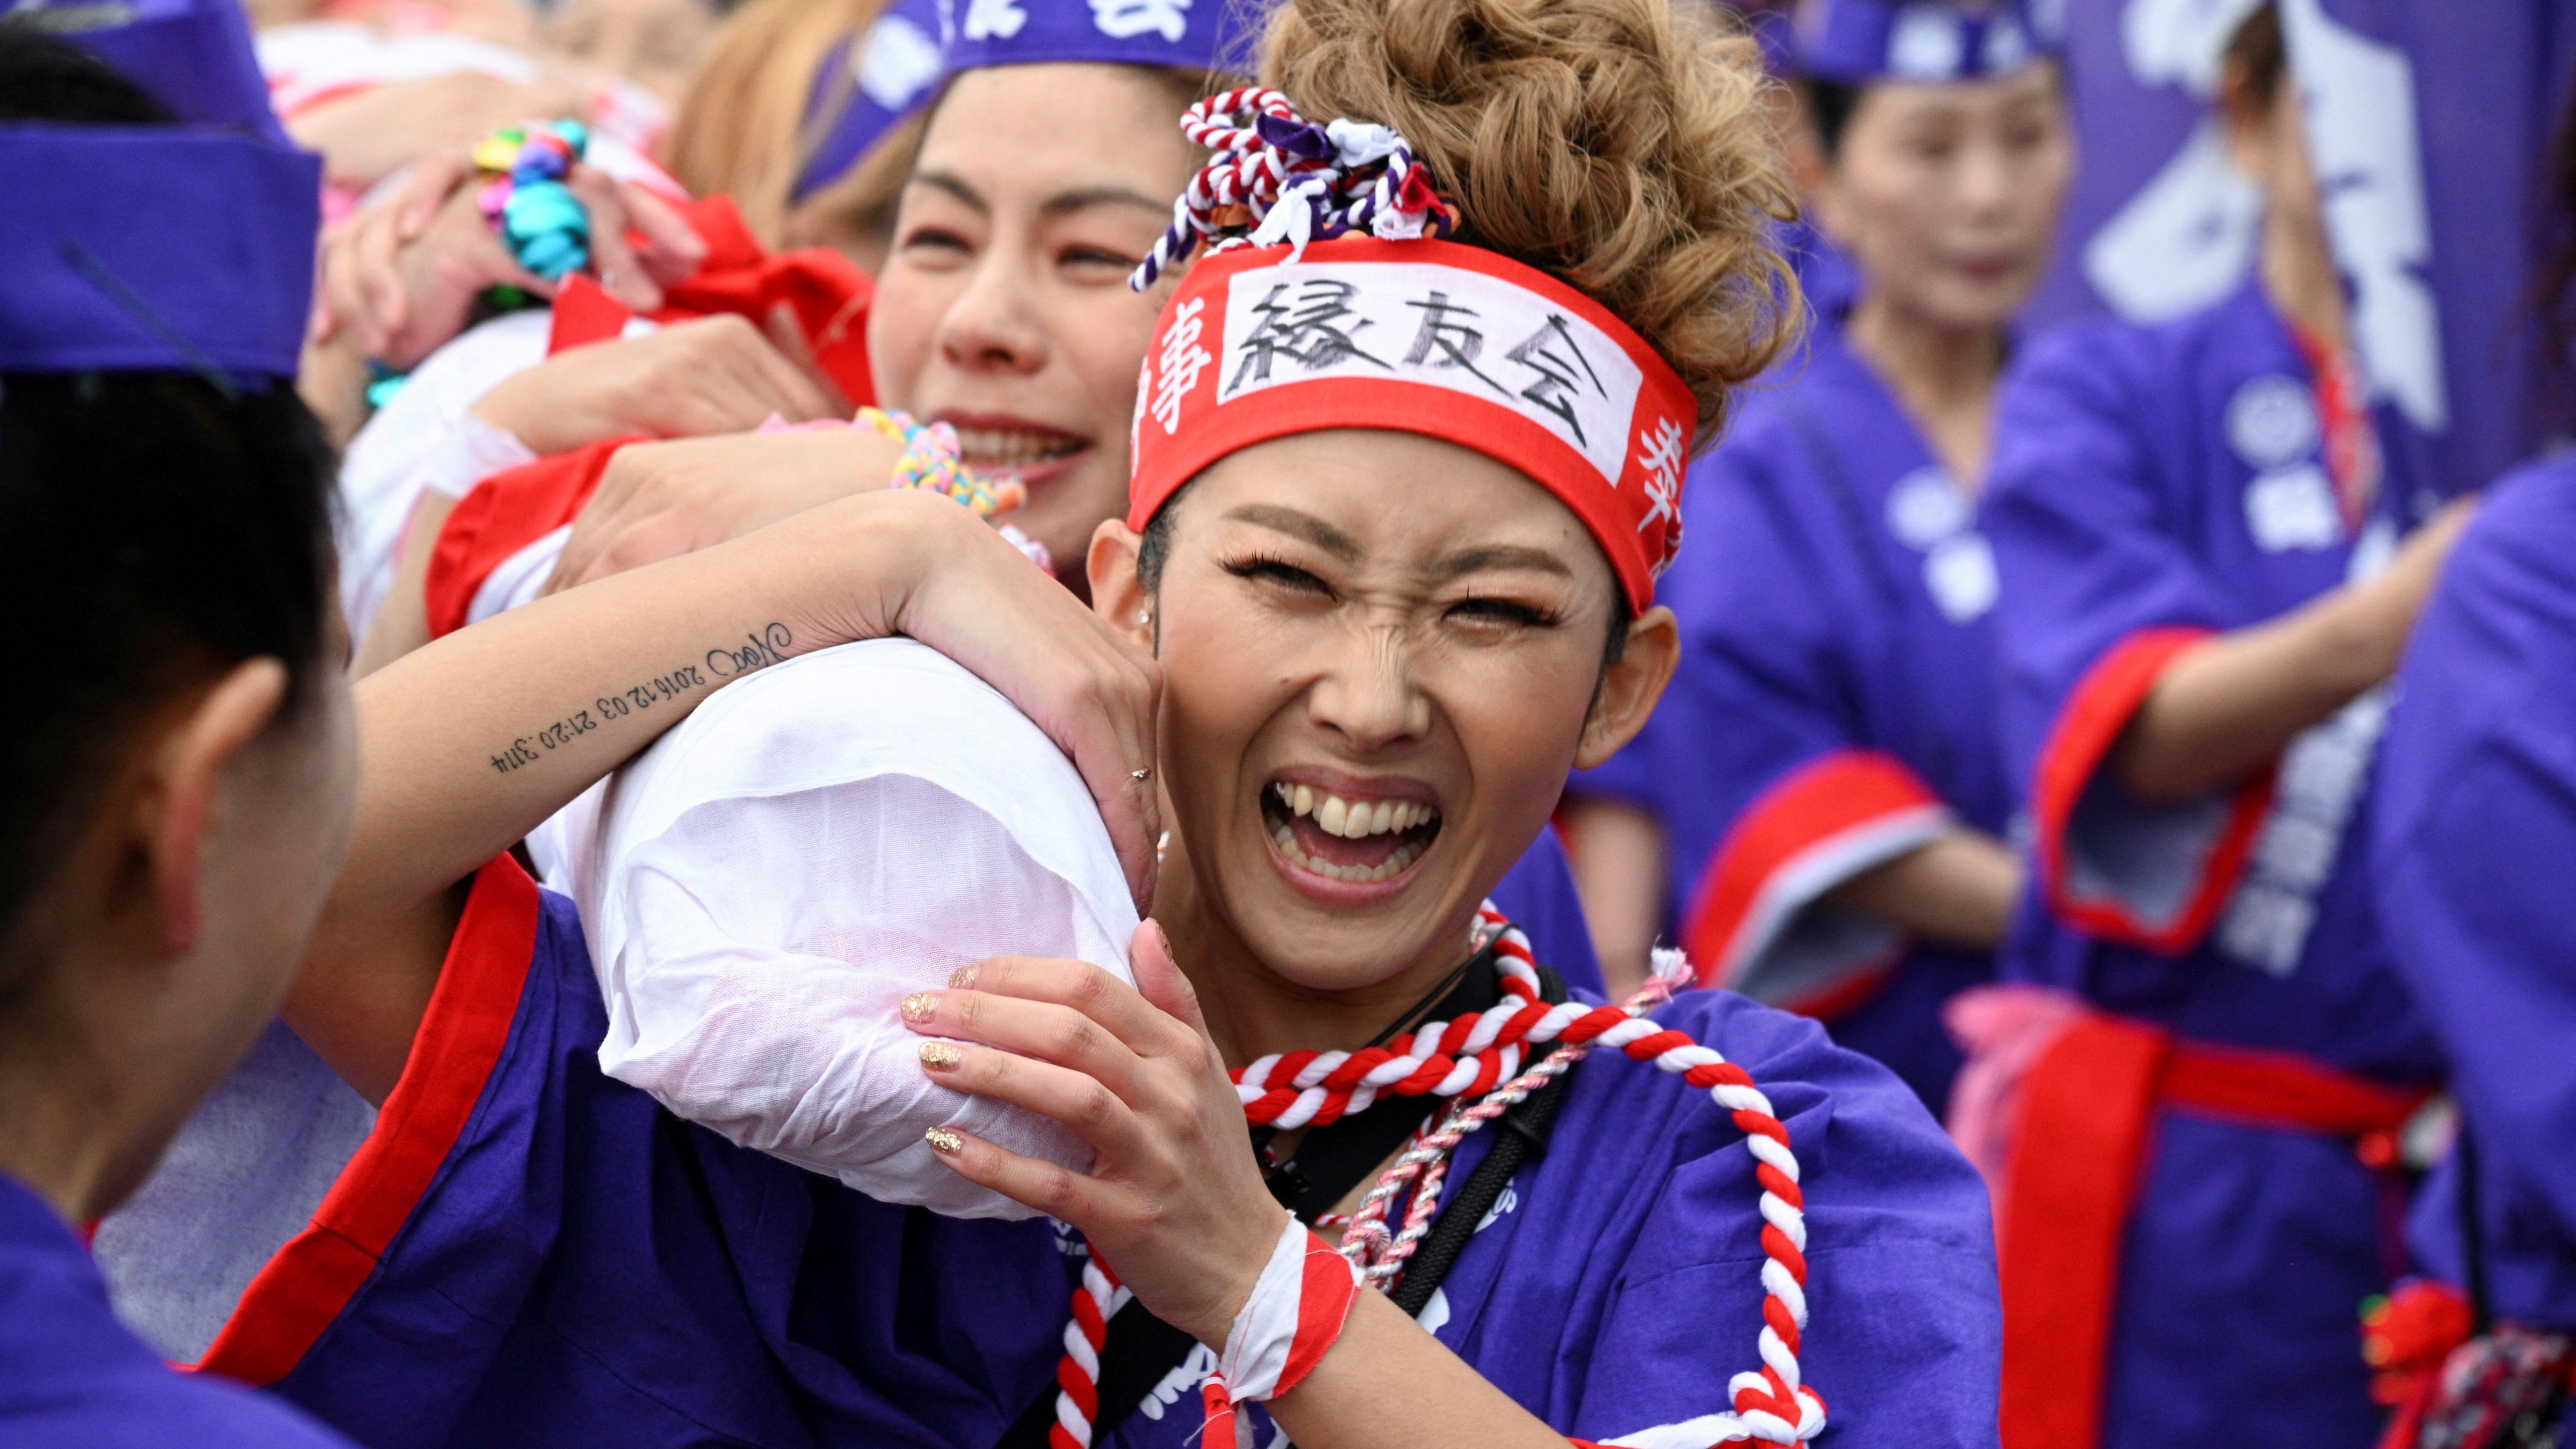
1621,145
156,528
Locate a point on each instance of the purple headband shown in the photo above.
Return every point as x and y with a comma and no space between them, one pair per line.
194,56
877,78
1202,35
1858,41
155,247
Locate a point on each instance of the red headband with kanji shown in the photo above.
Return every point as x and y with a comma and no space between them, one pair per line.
1390,328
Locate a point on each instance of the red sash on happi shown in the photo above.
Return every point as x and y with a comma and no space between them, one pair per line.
2078,1156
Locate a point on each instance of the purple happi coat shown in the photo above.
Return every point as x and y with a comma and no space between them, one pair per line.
2153,485
1614,1286
523,1252
1836,706
2473,842
72,1377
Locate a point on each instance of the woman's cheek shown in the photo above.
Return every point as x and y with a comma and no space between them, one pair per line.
1521,718
900,324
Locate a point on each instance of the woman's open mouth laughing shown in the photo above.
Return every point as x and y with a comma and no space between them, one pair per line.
1033,452
1329,840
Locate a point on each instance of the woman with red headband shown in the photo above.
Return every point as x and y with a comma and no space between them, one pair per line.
1473,281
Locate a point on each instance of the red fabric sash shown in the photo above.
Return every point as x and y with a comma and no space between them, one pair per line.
2087,1125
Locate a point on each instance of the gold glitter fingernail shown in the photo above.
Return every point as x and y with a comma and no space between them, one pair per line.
940,1056
920,1006
962,979
943,1140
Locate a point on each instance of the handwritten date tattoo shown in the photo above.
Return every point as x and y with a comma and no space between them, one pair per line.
767,647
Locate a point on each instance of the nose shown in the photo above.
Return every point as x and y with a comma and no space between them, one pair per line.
995,324
1368,694
1987,178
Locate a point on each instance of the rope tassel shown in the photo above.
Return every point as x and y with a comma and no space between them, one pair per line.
1479,1056
1295,180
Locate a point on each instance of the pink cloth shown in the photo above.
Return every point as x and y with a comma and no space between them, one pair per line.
2005,1030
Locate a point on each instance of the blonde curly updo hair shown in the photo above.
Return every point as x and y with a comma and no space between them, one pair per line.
1621,145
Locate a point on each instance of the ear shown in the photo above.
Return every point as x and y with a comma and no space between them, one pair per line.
1118,592
181,802
1631,687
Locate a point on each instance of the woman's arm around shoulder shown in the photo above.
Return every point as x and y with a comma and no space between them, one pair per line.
469,743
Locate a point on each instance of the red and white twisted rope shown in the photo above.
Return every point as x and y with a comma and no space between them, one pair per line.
1077,1374
1380,1253
1480,1054
1339,177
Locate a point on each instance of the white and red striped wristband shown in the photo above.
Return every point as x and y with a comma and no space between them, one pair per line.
1292,1319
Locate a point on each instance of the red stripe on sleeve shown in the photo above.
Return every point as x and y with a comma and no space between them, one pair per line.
1832,803
302,1289
2087,728
502,515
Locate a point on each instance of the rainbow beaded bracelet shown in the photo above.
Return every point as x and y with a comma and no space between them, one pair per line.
545,226
933,460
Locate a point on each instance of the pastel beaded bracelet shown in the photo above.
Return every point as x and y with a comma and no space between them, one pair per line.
933,460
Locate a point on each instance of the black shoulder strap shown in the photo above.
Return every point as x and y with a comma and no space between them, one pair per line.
1524,1129
1141,1350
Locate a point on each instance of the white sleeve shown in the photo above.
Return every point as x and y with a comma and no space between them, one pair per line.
784,868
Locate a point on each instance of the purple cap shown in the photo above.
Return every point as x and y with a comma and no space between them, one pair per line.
1204,35
876,80
194,56
1858,41
155,247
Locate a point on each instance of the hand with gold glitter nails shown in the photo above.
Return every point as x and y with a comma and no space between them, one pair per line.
1175,1200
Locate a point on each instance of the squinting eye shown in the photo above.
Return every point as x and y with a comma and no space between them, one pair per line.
1505,611
1280,575
1097,257
933,239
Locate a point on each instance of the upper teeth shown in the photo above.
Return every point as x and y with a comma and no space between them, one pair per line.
1353,819
1011,447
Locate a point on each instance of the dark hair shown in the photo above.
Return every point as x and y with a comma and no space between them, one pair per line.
1155,549
45,79
2256,60
155,528
1830,105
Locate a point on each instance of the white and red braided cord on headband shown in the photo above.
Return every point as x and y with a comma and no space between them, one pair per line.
1366,320
1340,177
1456,1059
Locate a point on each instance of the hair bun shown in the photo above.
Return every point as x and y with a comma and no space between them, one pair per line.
1614,143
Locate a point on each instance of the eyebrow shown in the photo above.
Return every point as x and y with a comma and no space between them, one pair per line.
954,185
1063,203
1066,202
1302,525
1499,556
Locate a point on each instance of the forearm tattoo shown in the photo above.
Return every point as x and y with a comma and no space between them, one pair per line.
724,662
